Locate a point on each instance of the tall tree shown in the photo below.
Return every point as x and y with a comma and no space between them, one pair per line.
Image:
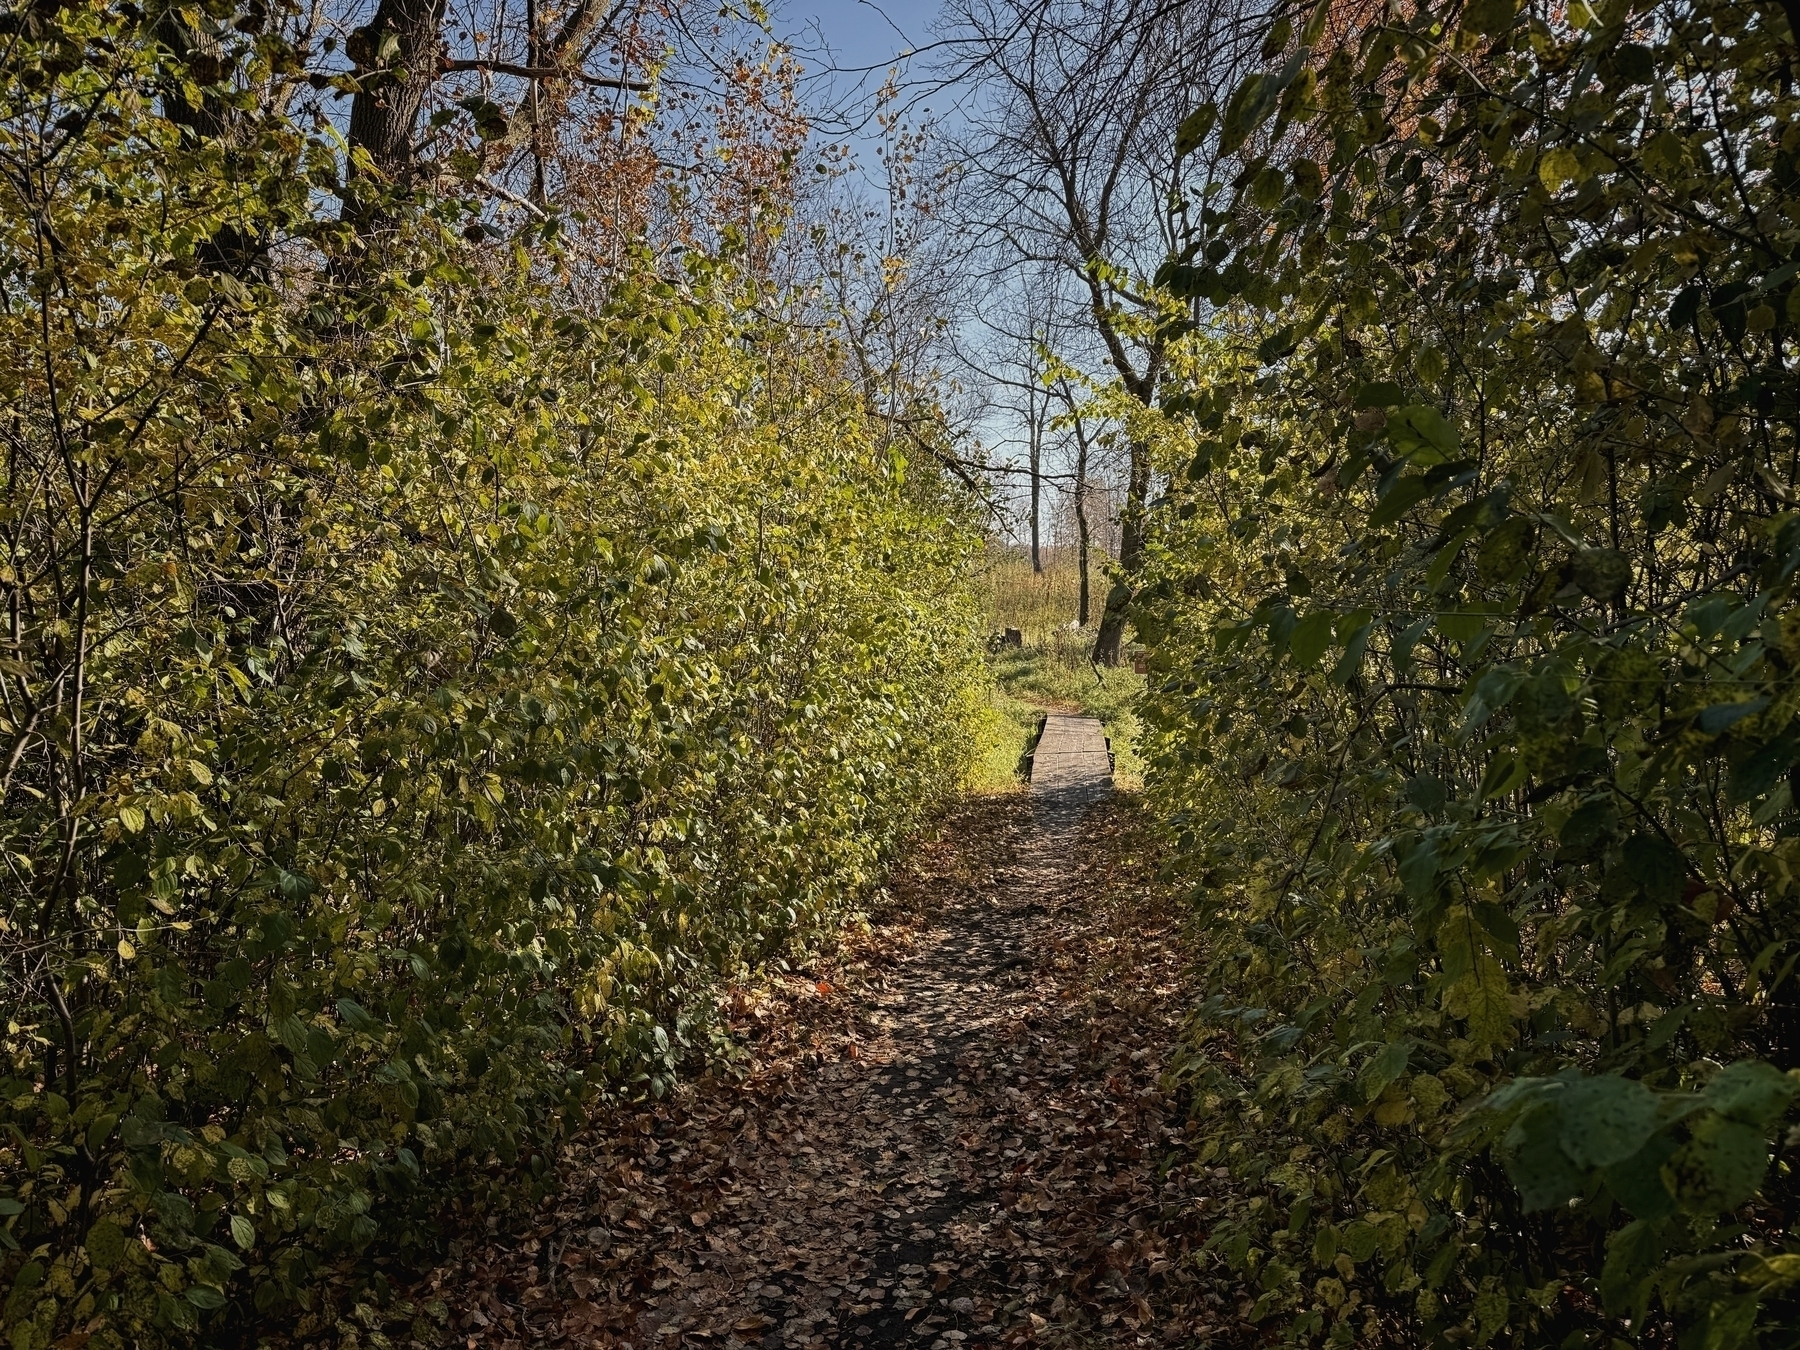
1074,171
1078,426
397,55
1037,413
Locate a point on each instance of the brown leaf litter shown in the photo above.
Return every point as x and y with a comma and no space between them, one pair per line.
952,1136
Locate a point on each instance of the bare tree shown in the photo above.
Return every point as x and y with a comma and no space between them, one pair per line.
1077,423
885,268
1073,173
511,98
1037,408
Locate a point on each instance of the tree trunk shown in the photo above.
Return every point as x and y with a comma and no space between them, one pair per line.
1081,524
1035,426
200,54
1111,637
397,56
539,196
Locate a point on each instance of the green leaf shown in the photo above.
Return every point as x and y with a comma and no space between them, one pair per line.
1495,687
105,1244
1459,626
1727,1324
1382,1068
243,1232
1506,551
1244,112
1607,1119
1427,792
1663,156
1637,1183
1310,638
1489,17
29,1277
1359,1240
1559,167
1719,1168
1381,394
1354,650
204,1296
1721,717
1589,823
1655,867
1422,433
1267,190
1631,1253
1194,128
1445,559
1492,1307
1532,1154
1419,866
99,1132
1325,1245
1505,772
1281,342
355,1016
1603,573
1489,1014
291,1032
1752,1092
1402,495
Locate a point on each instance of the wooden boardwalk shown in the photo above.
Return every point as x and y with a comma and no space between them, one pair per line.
1072,763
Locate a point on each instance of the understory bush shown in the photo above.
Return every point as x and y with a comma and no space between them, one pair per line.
419,688
1475,670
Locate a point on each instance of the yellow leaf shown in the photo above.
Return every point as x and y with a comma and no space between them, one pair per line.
1662,155
126,950
1490,1014
1783,1268
1561,166
1393,1111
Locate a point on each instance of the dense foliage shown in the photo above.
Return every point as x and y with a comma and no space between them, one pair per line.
418,689
1476,670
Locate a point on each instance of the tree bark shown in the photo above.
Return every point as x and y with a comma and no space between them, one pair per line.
398,55
1081,522
1110,639
230,250
1036,427
558,57
1073,165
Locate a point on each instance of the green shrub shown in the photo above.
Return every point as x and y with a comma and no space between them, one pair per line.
1473,685
419,694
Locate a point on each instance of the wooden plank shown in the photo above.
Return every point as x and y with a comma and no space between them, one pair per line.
1073,761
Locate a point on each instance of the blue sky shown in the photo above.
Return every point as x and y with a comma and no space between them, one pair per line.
860,33
848,47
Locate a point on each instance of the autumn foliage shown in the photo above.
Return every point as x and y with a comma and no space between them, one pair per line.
443,639
1474,677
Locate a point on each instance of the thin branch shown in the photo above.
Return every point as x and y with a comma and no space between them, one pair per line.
489,185
548,73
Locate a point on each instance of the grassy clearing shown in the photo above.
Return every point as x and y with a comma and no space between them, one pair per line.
1041,605
1031,679
1050,672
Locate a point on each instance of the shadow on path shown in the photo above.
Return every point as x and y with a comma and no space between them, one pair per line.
966,1150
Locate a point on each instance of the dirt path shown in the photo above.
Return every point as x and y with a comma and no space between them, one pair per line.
963,1147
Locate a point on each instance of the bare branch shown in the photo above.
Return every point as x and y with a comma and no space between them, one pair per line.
548,73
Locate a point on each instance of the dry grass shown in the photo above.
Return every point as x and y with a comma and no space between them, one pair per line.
1052,670
1043,605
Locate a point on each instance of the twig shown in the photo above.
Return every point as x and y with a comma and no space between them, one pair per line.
549,73
482,181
